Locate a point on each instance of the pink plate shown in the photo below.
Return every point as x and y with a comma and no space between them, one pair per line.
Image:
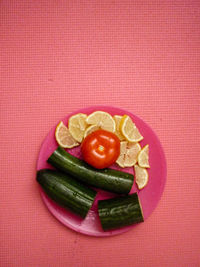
149,196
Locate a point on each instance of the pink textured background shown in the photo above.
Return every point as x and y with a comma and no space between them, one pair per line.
57,56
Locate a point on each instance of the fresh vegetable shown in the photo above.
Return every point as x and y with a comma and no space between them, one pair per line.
100,149
66,191
80,126
120,211
107,179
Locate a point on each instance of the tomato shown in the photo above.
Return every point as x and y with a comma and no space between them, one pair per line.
100,149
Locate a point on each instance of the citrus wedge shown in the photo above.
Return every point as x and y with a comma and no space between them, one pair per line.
129,129
90,129
117,119
103,120
128,154
143,157
77,125
141,176
63,136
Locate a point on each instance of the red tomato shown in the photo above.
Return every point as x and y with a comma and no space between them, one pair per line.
100,149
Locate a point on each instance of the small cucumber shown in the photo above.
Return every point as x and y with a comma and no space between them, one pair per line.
120,211
107,179
66,191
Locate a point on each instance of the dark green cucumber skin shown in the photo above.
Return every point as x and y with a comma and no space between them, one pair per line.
66,191
120,211
107,179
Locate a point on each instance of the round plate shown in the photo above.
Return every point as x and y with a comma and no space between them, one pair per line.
149,196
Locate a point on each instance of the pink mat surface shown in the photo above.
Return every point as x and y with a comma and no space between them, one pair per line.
59,56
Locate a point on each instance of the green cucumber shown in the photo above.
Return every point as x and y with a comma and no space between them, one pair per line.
120,211
107,179
66,191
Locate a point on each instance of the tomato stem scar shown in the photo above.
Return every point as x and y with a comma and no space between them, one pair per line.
101,148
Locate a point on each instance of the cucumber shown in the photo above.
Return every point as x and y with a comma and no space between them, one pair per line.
120,211
107,179
66,191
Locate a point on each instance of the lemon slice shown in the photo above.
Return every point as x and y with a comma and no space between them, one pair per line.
102,119
141,176
129,129
121,158
77,125
128,154
143,157
90,129
63,136
132,151
117,119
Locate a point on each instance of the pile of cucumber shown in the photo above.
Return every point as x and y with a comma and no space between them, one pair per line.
68,186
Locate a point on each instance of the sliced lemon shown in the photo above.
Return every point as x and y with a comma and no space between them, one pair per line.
128,154
132,151
77,125
117,119
143,157
129,129
90,129
63,136
141,176
102,119
121,158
